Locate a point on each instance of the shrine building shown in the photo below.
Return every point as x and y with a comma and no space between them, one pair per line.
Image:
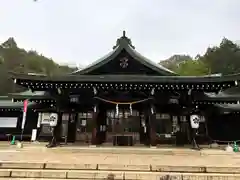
125,99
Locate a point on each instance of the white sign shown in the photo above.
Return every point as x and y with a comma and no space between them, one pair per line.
194,119
8,122
45,118
34,135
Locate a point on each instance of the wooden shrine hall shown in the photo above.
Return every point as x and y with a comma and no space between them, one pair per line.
125,99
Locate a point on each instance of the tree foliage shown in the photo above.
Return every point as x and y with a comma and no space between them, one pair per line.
223,59
13,58
191,68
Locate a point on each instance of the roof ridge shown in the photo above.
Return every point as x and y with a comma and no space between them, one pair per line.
125,43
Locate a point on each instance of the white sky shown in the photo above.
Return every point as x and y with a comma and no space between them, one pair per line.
81,31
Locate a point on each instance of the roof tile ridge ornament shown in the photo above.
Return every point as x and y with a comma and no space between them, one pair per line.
124,40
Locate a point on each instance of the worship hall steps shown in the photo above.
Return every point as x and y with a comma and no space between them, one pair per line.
24,170
37,174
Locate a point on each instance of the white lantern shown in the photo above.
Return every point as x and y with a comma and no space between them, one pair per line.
53,119
195,119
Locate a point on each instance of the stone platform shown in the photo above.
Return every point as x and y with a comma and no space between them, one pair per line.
72,162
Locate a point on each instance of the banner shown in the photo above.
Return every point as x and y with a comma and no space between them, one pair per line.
194,120
25,104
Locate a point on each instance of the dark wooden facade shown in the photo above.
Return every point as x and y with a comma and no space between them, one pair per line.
127,82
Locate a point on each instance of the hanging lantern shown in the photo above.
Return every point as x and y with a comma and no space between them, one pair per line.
130,107
117,109
236,83
95,108
59,91
152,109
194,121
53,119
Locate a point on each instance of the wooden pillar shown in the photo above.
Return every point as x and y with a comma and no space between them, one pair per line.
94,140
57,129
152,120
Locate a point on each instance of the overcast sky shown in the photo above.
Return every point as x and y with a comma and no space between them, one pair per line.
81,31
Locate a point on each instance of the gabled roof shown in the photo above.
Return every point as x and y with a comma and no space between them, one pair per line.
124,43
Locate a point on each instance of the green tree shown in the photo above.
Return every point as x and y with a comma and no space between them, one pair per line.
15,59
192,68
185,65
224,58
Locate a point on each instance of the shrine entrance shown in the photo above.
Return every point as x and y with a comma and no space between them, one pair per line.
124,127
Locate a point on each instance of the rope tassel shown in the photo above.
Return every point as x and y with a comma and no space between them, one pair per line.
117,109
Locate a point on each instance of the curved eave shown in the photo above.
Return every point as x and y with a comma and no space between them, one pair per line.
229,95
8,104
228,108
30,97
127,78
147,62
99,62
19,96
217,97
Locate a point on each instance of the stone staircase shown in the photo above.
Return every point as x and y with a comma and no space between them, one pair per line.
57,171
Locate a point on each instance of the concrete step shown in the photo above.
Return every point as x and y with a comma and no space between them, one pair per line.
162,150
119,167
11,178
111,175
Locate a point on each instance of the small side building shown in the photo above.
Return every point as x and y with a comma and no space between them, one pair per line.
11,114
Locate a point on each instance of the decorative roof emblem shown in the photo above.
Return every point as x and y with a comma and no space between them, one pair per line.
124,62
123,40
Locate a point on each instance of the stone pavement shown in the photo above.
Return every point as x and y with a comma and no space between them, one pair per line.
83,162
130,156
